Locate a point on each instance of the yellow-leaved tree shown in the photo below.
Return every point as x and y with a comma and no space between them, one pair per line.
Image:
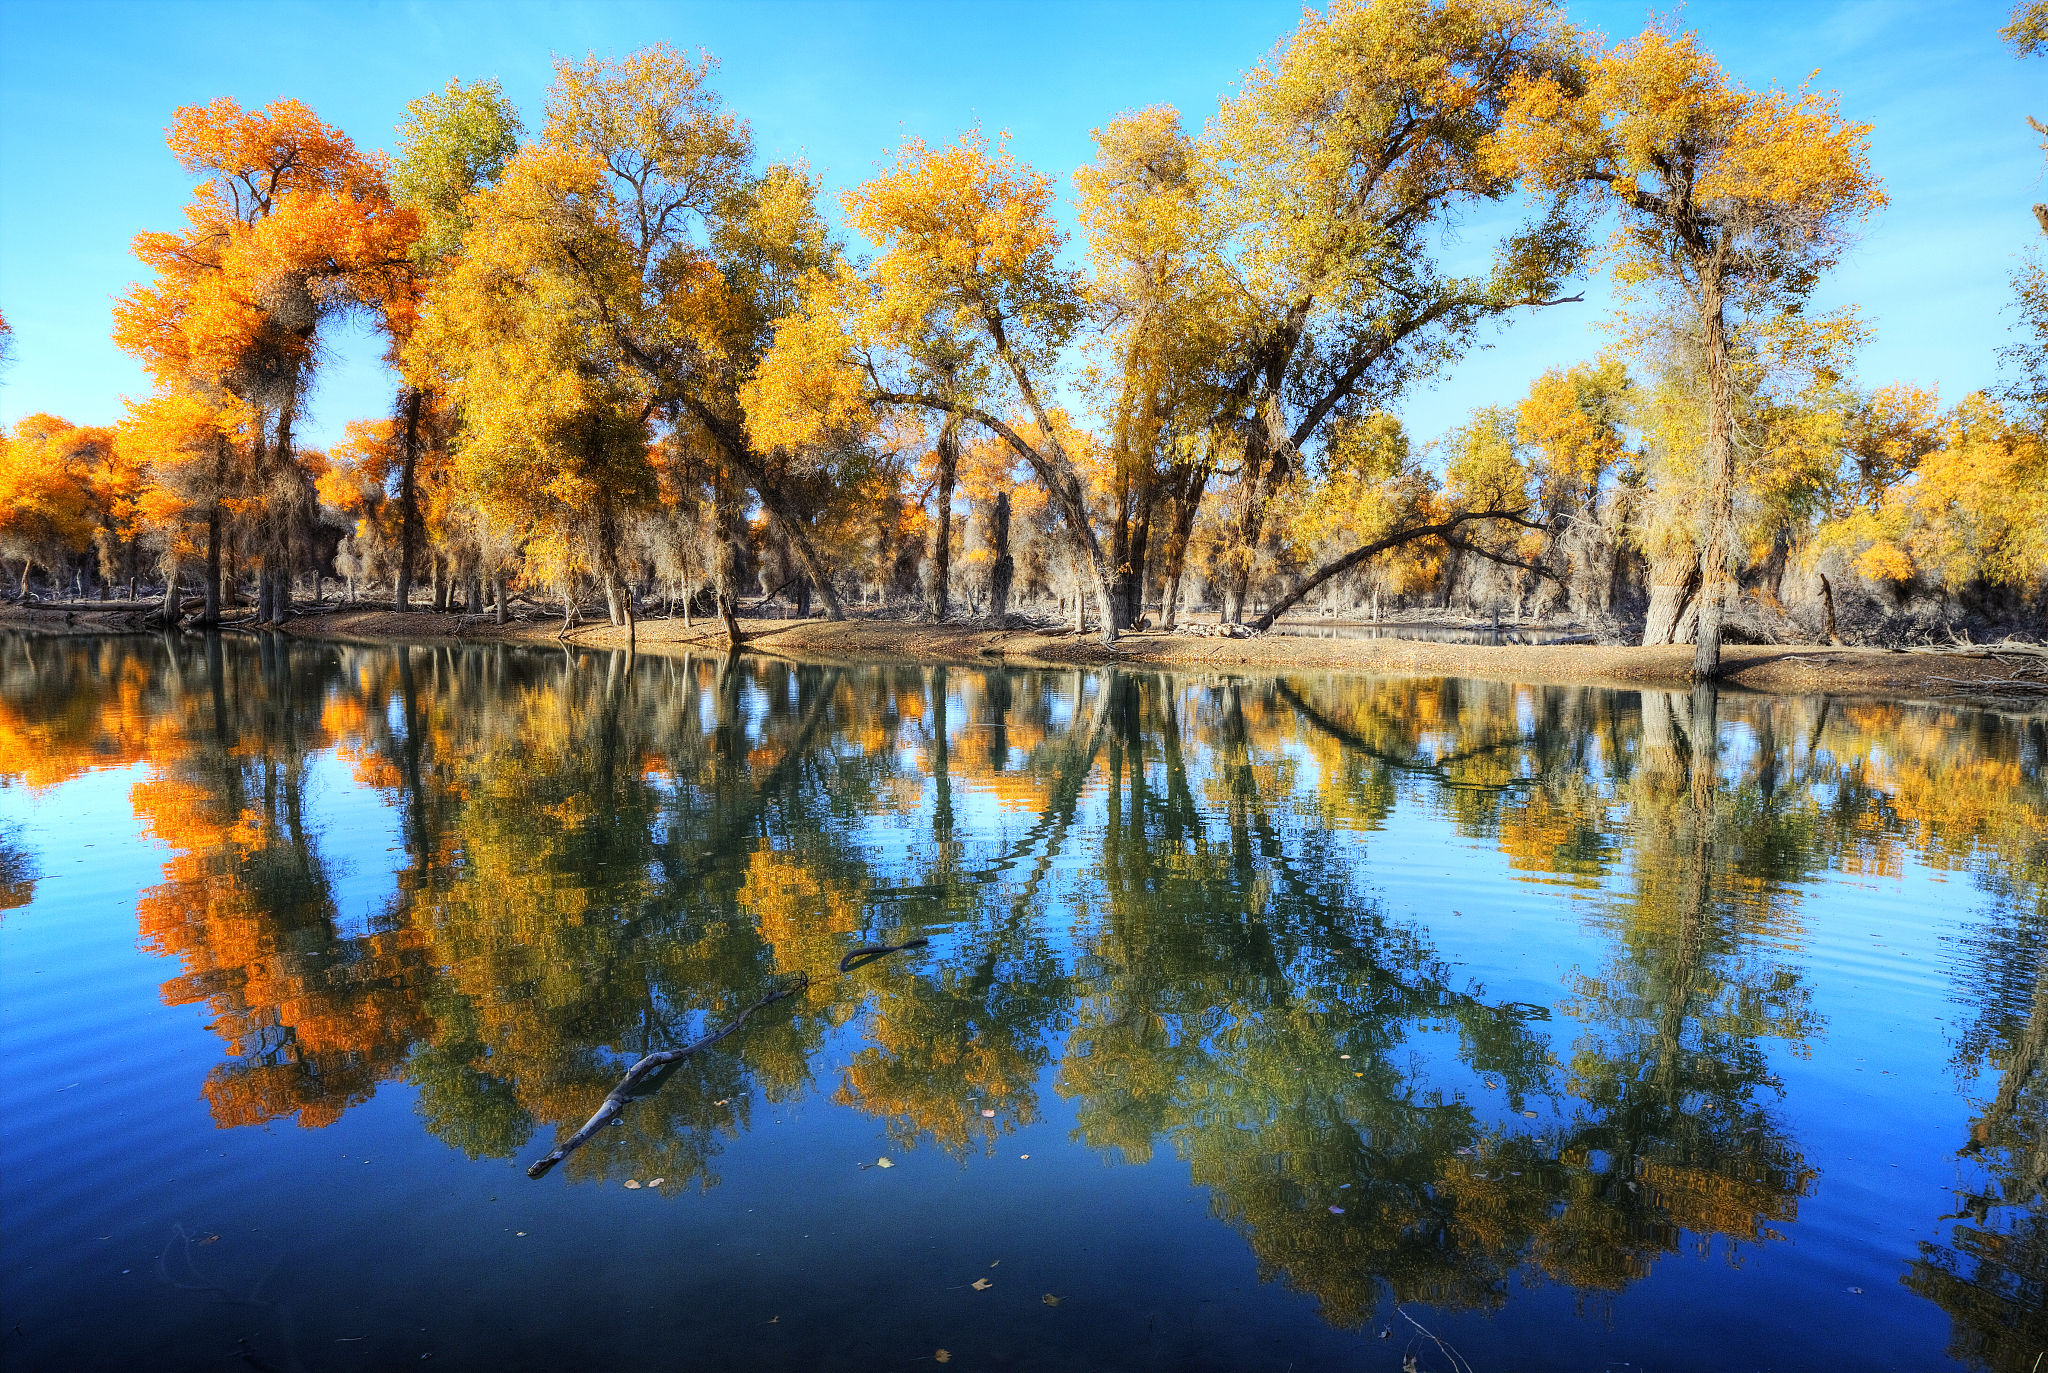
1729,201
963,315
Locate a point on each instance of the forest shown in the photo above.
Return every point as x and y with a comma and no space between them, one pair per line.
638,370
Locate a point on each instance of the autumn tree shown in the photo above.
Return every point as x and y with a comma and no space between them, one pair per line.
45,497
453,143
1332,172
290,227
1159,341
639,218
962,316
1727,200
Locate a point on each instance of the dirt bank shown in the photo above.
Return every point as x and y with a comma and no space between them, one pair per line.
1839,671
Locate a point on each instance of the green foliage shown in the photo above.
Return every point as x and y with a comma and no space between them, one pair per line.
453,143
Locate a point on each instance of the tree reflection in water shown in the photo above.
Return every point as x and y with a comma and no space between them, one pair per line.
1151,888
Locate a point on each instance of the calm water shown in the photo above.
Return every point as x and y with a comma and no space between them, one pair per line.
1264,1024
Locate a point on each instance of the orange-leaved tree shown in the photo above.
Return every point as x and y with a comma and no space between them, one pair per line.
289,227
1728,200
45,497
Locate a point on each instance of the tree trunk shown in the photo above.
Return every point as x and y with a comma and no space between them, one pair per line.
725,569
938,584
172,610
611,600
730,621
1718,511
1127,548
408,500
1674,592
1003,569
498,594
1063,485
1338,566
211,615
280,557
1827,602
1081,580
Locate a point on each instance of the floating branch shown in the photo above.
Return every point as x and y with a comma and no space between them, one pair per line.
615,1101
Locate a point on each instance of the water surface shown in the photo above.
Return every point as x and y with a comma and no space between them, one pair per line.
1264,1023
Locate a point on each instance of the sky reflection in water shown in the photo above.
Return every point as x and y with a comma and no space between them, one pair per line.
1579,1026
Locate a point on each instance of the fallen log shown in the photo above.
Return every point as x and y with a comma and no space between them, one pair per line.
615,1100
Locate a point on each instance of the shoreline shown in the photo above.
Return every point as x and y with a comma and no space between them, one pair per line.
1787,669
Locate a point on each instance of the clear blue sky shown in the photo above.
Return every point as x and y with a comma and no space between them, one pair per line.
86,90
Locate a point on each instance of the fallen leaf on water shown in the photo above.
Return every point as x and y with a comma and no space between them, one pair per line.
883,1163
943,1356
1336,1210
1530,1114
632,1184
1023,1156
989,1115
1358,1075
1050,1300
522,1232
1343,1055
981,1283
721,1103
206,1239
657,1182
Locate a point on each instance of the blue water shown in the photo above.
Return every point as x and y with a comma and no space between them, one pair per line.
1342,1020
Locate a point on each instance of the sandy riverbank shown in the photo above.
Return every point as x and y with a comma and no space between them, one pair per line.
1796,669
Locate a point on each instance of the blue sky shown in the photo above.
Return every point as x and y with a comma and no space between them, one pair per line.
86,90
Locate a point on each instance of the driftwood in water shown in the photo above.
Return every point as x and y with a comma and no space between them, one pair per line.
615,1101
868,952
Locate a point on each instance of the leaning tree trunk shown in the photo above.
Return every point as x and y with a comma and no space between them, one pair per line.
1717,514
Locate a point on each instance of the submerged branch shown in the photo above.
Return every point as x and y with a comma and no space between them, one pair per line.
615,1100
